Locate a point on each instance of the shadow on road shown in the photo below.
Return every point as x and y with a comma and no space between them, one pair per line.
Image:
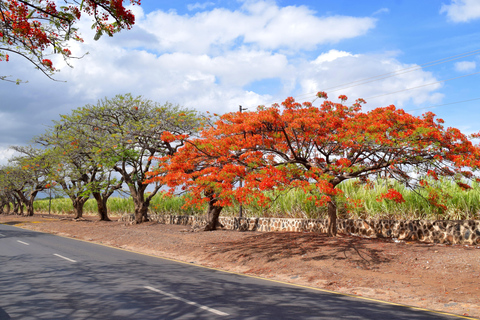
102,290
17,233
4,315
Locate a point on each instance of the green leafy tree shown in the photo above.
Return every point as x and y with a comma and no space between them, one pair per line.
8,199
77,168
127,132
28,175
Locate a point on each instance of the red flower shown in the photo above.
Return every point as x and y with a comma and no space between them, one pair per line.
393,195
48,63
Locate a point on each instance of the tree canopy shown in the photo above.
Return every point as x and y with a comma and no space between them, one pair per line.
314,148
27,175
127,132
29,27
76,167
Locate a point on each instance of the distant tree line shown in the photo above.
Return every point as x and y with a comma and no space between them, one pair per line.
96,150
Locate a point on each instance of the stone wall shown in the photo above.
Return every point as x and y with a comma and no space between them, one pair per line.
433,231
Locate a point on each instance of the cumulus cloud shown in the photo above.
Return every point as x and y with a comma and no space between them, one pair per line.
6,154
262,24
197,81
465,66
462,10
331,56
206,62
338,72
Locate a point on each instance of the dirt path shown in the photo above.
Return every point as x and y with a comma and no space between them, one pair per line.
439,277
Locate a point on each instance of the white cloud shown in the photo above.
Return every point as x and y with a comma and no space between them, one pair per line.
206,62
298,28
6,154
462,10
331,56
338,73
465,66
261,24
381,11
197,81
199,5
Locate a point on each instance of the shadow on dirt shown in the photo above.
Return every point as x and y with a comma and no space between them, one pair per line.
310,246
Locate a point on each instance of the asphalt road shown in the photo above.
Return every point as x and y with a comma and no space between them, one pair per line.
43,276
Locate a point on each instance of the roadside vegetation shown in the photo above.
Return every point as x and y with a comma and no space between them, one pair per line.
364,203
293,160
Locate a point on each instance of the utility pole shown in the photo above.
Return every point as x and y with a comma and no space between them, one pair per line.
50,200
50,189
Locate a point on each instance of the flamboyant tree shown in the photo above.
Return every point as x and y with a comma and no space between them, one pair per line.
29,27
316,149
127,132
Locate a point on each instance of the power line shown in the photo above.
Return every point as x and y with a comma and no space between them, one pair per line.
424,85
403,71
391,74
444,104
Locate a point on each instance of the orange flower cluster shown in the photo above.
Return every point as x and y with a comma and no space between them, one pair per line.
299,145
29,27
392,195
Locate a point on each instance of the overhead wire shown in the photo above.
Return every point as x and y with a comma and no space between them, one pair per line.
443,104
421,86
393,74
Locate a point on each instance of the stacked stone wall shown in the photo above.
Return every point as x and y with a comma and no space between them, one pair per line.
432,231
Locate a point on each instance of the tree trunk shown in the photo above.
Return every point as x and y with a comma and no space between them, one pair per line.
29,203
78,206
332,218
101,206
141,210
30,210
16,207
141,204
212,217
137,191
7,206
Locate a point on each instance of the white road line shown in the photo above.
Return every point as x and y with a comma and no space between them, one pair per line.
27,244
188,301
68,259
2,235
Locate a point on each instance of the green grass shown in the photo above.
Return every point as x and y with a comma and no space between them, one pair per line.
295,204
116,206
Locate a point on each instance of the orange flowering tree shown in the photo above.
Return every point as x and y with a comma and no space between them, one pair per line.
29,27
316,149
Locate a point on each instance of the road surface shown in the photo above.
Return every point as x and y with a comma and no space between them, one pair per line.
43,276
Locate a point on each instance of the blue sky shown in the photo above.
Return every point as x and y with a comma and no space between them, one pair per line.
217,55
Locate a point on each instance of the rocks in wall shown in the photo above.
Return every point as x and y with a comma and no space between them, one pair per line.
432,231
